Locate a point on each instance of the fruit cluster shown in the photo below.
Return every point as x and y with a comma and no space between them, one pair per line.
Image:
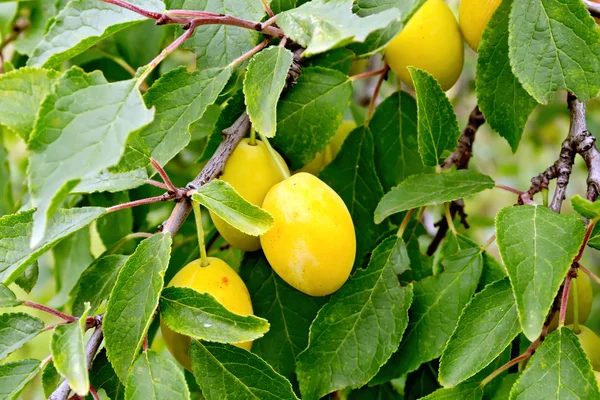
432,40
311,245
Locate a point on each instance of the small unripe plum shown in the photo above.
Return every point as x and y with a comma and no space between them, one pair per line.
585,296
312,244
473,17
252,172
590,342
217,279
430,41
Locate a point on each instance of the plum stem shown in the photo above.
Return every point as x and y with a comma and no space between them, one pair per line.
252,140
201,245
284,173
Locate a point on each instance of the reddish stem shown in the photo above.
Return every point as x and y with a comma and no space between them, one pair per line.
157,184
565,298
135,203
269,22
168,50
586,239
205,18
93,393
369,74
376,93
267,8
590,274
510,189
252,52
49,310
165,177
530,350
145,343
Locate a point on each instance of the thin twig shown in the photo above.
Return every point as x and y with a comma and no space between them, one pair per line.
565,296
156,199
21,25
586,239
510,189
93,393
165,177
166,51
267,8
589,273
211,170
464,149
157,184
579,141
369,74
373,101
252,52
49,310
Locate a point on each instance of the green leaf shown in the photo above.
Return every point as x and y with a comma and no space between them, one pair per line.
133,301
79,26
107,181
537,247
357,331
289,312
465,391
264,82
28,278
180,98
102,376
68,354
500,96
16,329
15,375
554,44
352,175
21,93
223,200
437,125
51,379
437,304
431,189
321,25
58,157
71,257
486,327
201,316
7,202
96,282
154,376
15,233
8,298
216,46
394,128
559,369
369,7
338,59
224,371
309,114
278,6
587,209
